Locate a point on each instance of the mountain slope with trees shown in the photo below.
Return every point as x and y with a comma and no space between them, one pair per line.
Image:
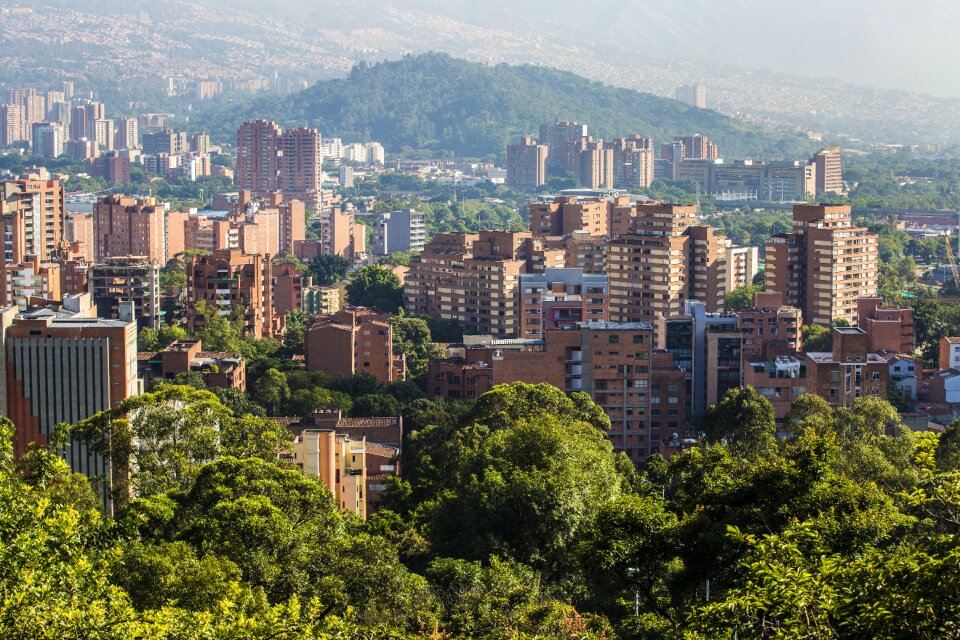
452,107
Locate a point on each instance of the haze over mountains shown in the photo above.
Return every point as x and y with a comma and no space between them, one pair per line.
743,49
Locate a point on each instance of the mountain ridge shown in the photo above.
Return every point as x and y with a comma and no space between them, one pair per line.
454,107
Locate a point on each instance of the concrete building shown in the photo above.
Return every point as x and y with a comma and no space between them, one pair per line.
526,165
340,233
13,125
31,218
663,260
66,369
48,139
128,133
828,170
561,299
111,167
403,230
118,281
824,265
743,263
902,373
694,95
230,281
339,461
945,387
950,353
321,301
708,348
219,369
165,142
382,437
354,340
79,234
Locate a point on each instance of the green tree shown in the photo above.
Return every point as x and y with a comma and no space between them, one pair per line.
271,390
328,269
375,404
296,327
525,491
376,287
741,298
817,338
411,337
743,419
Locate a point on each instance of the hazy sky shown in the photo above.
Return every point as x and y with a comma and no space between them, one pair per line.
891,43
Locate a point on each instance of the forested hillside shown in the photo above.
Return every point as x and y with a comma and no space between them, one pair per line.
453,107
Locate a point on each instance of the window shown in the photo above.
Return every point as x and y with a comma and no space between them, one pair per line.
613,339
876,375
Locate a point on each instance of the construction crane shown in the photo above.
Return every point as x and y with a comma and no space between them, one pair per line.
952,259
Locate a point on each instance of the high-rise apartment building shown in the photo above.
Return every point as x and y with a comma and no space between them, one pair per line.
743,263
125,226
230,281
104,133
471,278
48,139
829,170
824,265
301,165
596,169
403,230
78,233
354,340
31,218
83,118
633,161
567,215
888,328
526,165
128,133
13,125
659,258
287,285
340,233
165,142
258,156
694,95
375,154
555,136
695,147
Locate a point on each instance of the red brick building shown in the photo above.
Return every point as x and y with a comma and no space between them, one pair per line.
638,387
219,369
354,340
888,328
228,280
